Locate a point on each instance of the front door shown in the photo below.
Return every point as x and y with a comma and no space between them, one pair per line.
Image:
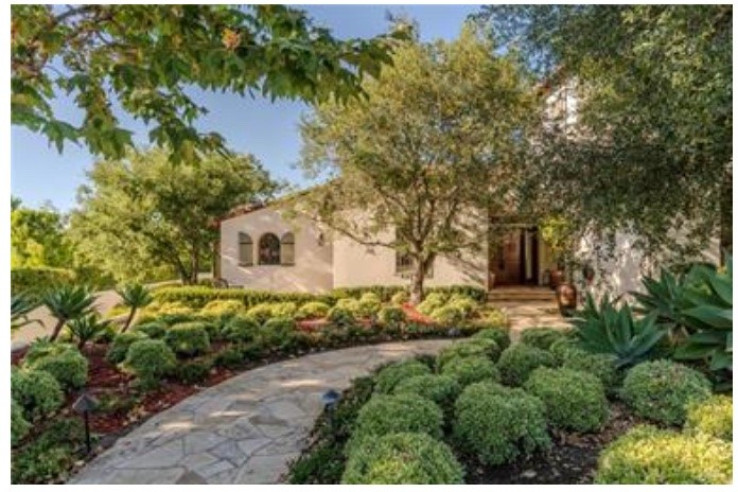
507,262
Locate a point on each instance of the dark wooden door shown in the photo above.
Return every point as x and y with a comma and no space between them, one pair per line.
506,263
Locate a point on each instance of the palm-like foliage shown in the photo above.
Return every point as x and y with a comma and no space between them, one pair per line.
86,328
606,329
66,303
20,307
135,296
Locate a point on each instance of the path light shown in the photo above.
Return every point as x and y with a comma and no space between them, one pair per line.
84,405
330,400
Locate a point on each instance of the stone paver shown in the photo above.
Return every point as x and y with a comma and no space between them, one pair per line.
529,314
245,430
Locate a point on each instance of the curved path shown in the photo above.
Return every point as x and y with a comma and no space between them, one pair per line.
244,430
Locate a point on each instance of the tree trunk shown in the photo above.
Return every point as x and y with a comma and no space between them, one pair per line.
129,319
57,329
416,288
195,266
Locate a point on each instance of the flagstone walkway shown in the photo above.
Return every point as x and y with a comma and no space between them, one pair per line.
245,430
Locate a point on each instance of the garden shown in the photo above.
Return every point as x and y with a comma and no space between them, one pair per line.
621,398
161,346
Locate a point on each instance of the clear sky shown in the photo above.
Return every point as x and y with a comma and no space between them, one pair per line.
39,174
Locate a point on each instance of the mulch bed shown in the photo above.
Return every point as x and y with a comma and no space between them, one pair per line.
572,458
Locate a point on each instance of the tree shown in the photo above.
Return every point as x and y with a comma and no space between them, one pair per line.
654,84
67,303
145,57
419,165
144,211
134,296
37,238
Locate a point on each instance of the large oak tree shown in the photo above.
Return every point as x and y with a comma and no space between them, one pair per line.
420,163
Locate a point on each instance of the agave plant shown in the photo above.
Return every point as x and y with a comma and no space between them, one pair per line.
66,303
134,296
606,329
20,307
664,297
86,328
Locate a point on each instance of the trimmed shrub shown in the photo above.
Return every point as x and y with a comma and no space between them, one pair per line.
431,302
519,360
713,417
152,329
564,347
496,317
341,316
369,305
391,375
660,390
465,304
198,297
476,293
279,333
440,389
448,315
19,426
230,358
387,414
400,298
313,310
261,312
118,349
241,329
42,347
37,392
499,424
499,335
349,304
188,339
468,370
224,308
602,366
50,455
69,367
34,281
541,337
284,310
402,458
574,400
647,455
466,348
173,309
392,316
150,361
192,372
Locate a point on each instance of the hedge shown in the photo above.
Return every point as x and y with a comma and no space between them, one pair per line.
386,292
35,280
197,297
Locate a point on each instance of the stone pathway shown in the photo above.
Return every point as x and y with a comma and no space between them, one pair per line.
529,314
246,429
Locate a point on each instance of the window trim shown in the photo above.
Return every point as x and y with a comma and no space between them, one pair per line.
244,238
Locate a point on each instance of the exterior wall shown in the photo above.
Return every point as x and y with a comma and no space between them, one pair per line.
312,271
357,265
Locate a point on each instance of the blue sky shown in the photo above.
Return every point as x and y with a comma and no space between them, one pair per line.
39,174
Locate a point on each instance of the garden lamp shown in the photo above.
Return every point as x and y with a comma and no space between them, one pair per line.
330,399
84,405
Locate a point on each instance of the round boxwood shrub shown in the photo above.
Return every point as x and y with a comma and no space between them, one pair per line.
119,347
387,414
519,360
19,426
440,389
150,361
392,316
69,367
432,301
224,308
153,329
349,304
647,455
261,312
241,329
37,392
465,304
402,458
574,400
448,315
713,417
602,366
188,339
541,337
391,375
279,333
399,298
660,390
284,310
485,347
472,369
313,310
499,424
499,335
496,317
369,305
565,347
192,372
341,316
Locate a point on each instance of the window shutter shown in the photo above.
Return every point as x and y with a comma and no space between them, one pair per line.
245,249
288,249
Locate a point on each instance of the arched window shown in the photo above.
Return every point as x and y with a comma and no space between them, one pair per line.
245,249
288,249
269,249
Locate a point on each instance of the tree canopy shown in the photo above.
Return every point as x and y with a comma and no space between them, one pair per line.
144,58
420,164
37,237
654,84
144,211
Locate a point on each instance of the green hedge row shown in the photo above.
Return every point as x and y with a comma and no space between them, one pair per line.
197,297
35,280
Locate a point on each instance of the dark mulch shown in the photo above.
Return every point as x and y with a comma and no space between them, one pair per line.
572,458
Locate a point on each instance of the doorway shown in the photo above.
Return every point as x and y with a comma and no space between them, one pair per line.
515,259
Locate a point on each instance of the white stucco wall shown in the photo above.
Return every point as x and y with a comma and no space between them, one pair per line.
312,271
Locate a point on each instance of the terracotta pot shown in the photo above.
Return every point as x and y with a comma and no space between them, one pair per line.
556,279
566,297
